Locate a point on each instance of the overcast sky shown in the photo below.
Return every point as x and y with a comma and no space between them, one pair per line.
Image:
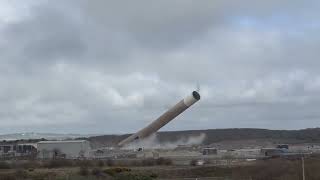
93,66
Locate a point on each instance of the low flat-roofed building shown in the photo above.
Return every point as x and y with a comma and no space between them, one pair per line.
209,151
273,151
63,149
283,146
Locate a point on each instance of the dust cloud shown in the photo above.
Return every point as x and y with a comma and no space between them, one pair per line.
152,142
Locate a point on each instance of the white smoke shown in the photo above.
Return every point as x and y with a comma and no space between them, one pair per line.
152,142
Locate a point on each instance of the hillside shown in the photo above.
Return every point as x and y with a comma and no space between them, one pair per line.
213,136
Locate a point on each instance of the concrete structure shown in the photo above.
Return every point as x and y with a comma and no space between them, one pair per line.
63,149
163,119
209,151
148,154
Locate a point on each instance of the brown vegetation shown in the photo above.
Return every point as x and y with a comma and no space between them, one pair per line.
272,169
276,169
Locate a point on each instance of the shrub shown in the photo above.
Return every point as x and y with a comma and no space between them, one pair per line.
96,172
193,162
28,165
153,175
58,163
129,176
110,162
7,177
164,161
5,165
149,162
100,163
84,171
21,174
42,175
84,163
117,170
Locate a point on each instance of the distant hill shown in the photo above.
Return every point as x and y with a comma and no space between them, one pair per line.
32,135
225,138
214,136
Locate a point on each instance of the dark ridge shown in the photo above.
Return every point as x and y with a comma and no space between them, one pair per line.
219,135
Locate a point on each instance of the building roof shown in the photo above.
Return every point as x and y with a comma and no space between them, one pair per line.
54,142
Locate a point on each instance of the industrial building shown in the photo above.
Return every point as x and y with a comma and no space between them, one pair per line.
63,149
18,150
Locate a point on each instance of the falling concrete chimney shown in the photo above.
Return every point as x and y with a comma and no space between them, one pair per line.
163,119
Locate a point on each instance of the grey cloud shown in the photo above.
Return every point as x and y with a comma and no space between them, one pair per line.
99,65
47,35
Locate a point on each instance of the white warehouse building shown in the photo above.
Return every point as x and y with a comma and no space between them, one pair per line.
63,149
